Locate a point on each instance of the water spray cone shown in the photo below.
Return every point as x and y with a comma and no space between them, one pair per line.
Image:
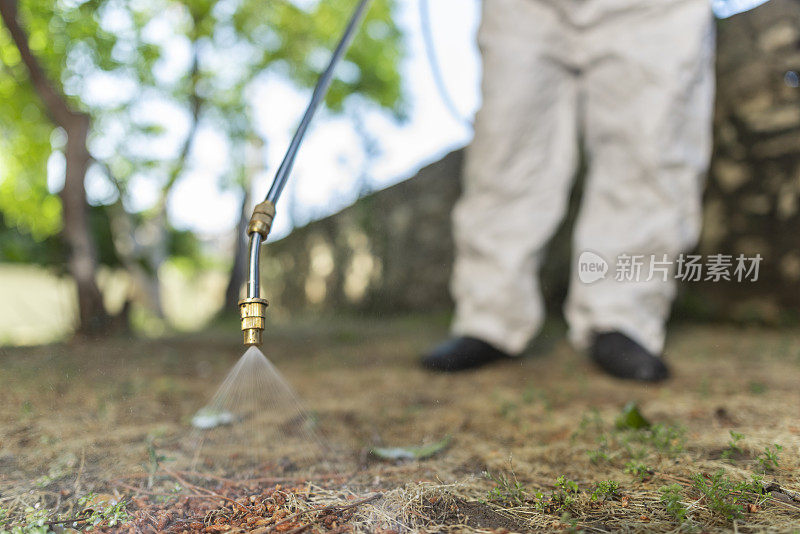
255,421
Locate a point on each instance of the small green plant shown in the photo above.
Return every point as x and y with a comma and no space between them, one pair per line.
571,523
564,495
598,455
719,495
768,460
630,418
639,470
601,453
507,490
752,487
106,514
154,460
34,522
733,445
671,499
667,439
605,490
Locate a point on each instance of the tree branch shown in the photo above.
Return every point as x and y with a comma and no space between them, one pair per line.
55,103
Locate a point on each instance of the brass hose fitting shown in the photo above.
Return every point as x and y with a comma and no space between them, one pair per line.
261,220
253,309
254,316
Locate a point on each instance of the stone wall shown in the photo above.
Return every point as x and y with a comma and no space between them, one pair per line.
392,251
753,190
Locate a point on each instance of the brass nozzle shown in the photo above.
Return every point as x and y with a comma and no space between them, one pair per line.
254,315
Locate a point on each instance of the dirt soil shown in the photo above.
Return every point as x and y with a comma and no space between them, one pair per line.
89,432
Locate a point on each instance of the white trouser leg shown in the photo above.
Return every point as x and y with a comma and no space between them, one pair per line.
518,173
649,100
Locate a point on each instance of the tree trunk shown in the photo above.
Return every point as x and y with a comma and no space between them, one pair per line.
82,261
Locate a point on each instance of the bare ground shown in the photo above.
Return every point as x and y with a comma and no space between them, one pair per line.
89,416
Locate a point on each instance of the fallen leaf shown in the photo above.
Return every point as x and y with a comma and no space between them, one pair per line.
410,453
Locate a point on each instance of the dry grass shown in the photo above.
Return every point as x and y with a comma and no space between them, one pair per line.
79,417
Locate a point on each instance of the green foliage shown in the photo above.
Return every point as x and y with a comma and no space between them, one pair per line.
70,44
671,499
665,439
33,522
631,418
154,461
718,494
105,514
564,495
598,455
639,470
768,460
733,447
754,486
632,437
605,490
507,490
231,43
571,523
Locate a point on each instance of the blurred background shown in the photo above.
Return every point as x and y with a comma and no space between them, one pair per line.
135,137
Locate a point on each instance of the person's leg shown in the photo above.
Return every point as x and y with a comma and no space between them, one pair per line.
518,173
649,89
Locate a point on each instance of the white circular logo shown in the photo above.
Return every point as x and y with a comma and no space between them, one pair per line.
591,267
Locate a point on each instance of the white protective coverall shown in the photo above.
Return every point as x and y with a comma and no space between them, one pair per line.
636,79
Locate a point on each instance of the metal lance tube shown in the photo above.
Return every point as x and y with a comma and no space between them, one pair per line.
253,309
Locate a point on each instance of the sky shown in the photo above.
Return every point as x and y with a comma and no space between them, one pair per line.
331,167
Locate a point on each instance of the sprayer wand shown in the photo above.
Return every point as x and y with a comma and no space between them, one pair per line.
253,309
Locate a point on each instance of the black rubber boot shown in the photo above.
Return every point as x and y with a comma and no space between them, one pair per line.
620,356
461,353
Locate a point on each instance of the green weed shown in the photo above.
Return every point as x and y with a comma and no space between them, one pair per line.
768,460
507,490
671,499
733,445
571,523
598,455
105,514
666,439
564,495
605,490
34,522
719,495
639,470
